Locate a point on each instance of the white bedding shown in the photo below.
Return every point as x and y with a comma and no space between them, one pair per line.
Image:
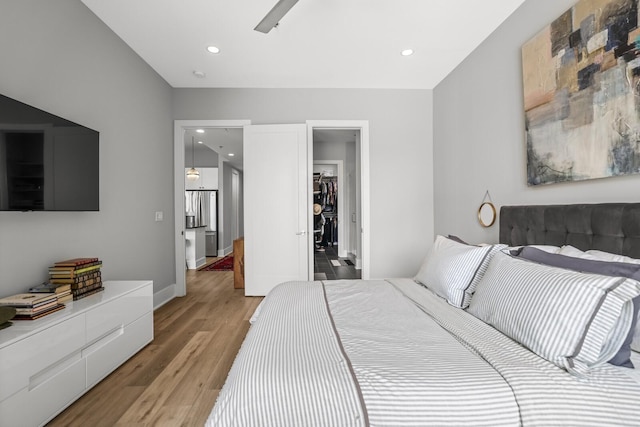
408,367
393,353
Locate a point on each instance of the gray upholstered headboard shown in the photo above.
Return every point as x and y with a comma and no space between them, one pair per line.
610,227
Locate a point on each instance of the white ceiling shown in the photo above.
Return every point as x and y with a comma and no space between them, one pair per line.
318,44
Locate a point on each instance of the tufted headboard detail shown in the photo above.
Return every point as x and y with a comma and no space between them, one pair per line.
610,227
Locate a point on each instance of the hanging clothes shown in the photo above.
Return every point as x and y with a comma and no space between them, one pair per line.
325,194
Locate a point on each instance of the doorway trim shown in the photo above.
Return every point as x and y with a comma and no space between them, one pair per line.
235,204
363,127
179,128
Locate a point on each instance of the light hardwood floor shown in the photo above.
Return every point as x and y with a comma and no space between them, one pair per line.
174,381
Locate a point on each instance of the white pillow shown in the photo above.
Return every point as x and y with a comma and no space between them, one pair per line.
606,256
596,255
569,250
452,269
575,320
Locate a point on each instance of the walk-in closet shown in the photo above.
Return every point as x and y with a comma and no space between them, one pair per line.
334,205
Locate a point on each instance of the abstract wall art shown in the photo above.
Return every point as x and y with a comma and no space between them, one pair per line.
581,81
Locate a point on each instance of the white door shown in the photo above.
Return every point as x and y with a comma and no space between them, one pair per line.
275,206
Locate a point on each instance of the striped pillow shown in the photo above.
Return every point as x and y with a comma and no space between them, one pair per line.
575,320
452,269
605,268
605,256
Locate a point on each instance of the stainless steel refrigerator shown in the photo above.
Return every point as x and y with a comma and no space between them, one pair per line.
203,206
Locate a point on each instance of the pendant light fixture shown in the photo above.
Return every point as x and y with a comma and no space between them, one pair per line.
193,174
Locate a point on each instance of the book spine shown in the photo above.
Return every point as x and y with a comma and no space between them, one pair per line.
77,279
74,273
68,297
26,300
86,294
37,309
39,314
86,289
75,262
29,305
45,302
66,268
85,283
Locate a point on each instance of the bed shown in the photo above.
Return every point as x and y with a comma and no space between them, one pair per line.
483,335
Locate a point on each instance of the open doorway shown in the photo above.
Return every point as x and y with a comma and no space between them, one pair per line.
336,207
217,135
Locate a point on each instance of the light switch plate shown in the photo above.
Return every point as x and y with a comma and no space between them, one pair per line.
159,216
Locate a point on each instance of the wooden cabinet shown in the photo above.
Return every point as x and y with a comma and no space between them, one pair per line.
208,180
48,363
238,263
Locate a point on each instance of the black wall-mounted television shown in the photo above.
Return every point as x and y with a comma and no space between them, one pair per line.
47,163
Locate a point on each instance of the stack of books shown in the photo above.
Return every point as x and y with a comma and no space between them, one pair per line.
81,274
61,291
32,306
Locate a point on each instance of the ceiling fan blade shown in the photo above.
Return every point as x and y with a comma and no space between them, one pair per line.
274,16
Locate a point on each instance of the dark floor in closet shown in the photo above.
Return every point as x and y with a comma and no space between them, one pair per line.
324,269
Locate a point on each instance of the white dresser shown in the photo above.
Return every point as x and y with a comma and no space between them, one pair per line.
46,364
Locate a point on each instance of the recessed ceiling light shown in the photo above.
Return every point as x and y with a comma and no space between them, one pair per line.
200,130
200,142
231,154
199,74
213,49
407,52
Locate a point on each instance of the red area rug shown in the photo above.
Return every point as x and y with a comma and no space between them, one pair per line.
223,264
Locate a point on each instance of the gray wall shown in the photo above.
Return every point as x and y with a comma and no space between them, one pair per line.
401,175
479,140
57,56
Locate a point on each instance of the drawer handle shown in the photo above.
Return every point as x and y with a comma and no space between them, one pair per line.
53,370
103,340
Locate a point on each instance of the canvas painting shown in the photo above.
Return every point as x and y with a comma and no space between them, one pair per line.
581,81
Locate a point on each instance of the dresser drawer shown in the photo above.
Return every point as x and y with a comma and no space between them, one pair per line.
45,396
30,356
109,352
119,312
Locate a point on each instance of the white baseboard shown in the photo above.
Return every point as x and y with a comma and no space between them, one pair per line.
163,296
201,261
357,262
228,250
